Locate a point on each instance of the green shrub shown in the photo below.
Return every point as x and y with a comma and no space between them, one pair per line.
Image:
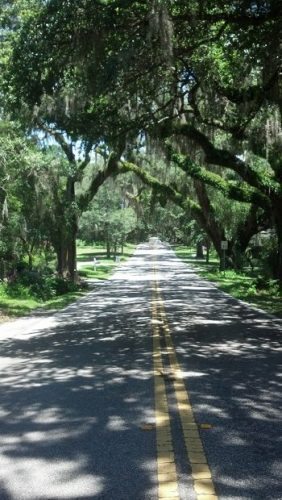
265,283
44,289
251,290
41,284
82,273
63,285
17,290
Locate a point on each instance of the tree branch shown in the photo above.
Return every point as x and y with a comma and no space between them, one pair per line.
169,192
232,189
83,164
224,158
59,138
206,221
110,170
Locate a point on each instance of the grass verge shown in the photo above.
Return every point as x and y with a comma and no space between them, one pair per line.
104,267
242,285
102,271
16,306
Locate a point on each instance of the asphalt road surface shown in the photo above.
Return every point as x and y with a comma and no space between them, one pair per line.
85,392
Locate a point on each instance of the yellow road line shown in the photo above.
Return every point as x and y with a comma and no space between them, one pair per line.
203,483
167,475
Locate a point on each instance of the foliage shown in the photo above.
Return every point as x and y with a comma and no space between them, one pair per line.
109,217
41,284
195,84
18,306
245,285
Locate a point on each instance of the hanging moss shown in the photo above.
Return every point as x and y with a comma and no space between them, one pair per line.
232,189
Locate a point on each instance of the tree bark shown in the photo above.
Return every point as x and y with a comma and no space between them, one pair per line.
208,246
108,248
73,228
253,224
30,260
199,250
277,212
208,221
61,253
72,271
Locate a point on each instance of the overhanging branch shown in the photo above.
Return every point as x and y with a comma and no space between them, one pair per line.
244,19
59,138
168,191
231,189
110,170
224,158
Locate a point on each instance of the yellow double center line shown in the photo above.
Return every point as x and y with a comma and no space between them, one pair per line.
167,471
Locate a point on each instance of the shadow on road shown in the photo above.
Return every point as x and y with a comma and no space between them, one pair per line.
232,363
76,388
74,395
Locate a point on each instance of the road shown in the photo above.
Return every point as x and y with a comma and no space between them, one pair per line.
154,385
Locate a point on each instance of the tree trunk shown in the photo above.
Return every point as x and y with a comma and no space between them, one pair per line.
2,269
108,248
279,263
61,252
208,246
278,225
253,223
208,220
72,253
73,228
199,250
30,261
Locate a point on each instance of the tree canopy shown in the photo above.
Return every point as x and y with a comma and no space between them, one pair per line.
196,83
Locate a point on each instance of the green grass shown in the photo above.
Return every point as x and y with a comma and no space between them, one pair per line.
103,270
14,307
104,267
86,253
242,285
11,307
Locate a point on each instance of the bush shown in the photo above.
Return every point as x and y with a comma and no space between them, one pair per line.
17,290
41,284
63,285
43,289
264,283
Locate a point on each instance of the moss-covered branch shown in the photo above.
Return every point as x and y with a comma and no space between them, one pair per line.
202,212
59,138
110,170
263,182
196,210
244,19
231,189
168,191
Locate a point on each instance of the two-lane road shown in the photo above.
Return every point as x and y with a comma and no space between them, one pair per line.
109,398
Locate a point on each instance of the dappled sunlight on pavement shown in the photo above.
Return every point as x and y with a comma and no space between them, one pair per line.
77,388
231,359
